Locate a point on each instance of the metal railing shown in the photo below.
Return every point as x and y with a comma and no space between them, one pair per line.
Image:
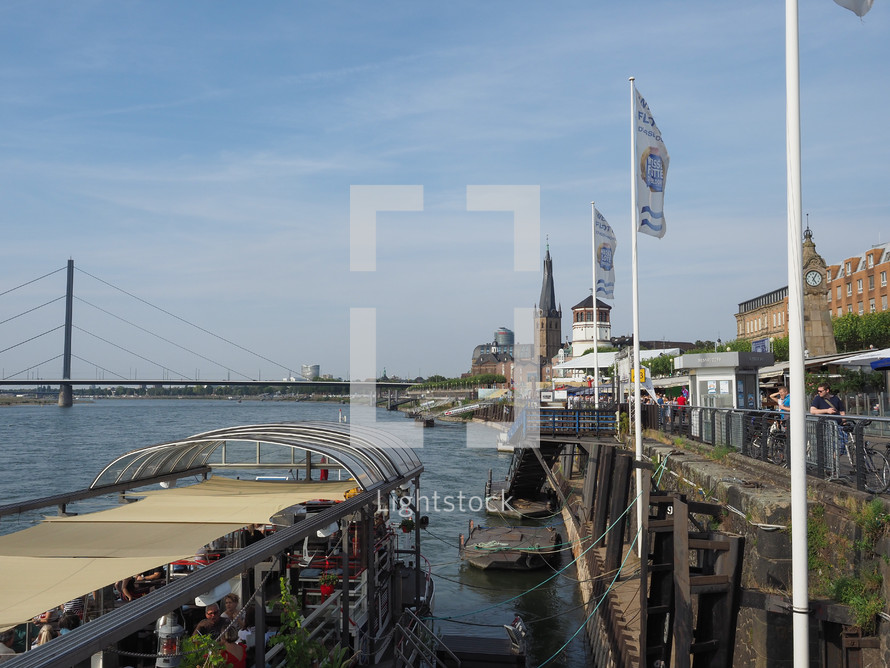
836,449
554,421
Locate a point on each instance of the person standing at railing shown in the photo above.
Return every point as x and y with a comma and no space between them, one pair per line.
783,401
826,403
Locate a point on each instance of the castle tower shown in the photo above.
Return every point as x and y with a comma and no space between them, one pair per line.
818,330
548,320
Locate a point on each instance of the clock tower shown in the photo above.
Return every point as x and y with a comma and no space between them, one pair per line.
818,329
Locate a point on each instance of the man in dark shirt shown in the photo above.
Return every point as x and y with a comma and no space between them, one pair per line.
212,624
826,403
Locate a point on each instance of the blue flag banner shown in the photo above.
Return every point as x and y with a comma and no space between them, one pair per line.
604,244
651,171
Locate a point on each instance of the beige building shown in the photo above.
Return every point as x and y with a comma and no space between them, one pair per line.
859,284
763,317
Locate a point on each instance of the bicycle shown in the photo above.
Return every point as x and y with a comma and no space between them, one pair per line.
776,441
874,463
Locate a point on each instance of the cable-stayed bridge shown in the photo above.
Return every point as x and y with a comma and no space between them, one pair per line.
38,307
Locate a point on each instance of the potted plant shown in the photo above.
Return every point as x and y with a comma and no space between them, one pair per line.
327,582
406,525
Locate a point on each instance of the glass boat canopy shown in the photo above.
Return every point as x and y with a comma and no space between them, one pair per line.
370,456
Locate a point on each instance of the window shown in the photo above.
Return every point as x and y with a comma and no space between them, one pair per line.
871,305
849,289
883,302
883,278
859,286
840,311
861,310
871,261
849,308
871,282
848,268
838,292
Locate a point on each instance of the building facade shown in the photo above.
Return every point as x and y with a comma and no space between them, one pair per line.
859,284
763,317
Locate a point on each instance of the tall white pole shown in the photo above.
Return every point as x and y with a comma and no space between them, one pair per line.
797,415
638,422
596,325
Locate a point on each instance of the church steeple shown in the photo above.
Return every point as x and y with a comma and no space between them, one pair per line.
548,323
547,302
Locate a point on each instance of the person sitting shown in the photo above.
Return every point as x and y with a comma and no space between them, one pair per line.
7,638
212,624
234,654
250,535
230,605
46,634
68,622
75,606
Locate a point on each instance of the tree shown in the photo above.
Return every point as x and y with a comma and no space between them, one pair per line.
662,365
780,349
846,332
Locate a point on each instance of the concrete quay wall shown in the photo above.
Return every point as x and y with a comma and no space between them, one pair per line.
757,501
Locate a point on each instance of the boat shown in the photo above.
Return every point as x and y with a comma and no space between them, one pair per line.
314,532
509,547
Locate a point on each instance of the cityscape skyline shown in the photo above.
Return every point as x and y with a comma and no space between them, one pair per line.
201,158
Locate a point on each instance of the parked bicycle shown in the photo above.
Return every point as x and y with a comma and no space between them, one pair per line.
875,465
776,443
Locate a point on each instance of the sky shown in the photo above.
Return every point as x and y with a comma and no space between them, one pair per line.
199,156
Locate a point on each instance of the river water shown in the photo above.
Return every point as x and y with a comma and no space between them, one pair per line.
47,450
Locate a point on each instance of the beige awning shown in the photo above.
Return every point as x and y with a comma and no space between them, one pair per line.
66,557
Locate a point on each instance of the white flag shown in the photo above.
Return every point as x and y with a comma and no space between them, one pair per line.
604,256
858,7
651,171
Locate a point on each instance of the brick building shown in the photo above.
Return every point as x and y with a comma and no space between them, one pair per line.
859,284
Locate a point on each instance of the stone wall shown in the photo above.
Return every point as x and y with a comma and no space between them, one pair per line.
757,499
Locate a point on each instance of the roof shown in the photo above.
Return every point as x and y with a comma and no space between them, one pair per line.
587,302
65,557
371,456
547,303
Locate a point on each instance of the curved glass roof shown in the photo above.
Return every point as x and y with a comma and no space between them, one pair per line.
371,456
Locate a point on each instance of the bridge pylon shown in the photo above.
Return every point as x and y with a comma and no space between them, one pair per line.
66,394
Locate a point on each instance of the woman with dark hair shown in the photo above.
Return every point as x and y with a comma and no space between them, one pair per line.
68,622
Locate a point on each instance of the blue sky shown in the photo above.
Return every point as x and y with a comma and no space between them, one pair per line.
200,155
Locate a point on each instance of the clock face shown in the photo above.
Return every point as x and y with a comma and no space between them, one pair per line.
813,278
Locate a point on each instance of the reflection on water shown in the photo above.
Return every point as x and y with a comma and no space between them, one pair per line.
47,450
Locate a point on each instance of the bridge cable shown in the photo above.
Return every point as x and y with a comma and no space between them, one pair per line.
6,292
51,301
51,359
191,324
158,364
113,373
49,331
158,336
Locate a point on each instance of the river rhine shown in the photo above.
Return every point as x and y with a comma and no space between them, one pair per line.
47,450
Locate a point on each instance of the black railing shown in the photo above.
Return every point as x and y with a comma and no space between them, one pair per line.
852,449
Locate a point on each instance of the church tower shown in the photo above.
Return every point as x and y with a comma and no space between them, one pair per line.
818,330
548,320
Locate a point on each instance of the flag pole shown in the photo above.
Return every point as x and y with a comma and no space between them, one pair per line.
596,326
638,423
797,416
